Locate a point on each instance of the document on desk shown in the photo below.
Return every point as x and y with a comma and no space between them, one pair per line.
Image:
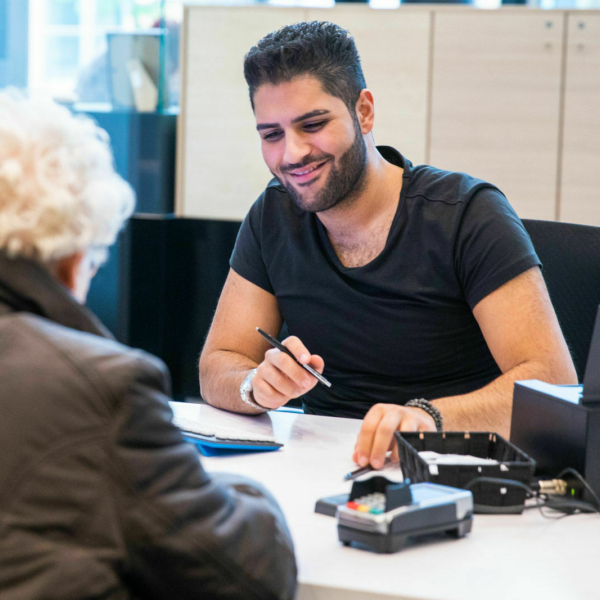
223,433
435,458
391,470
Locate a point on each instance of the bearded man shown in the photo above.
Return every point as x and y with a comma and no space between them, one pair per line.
416,291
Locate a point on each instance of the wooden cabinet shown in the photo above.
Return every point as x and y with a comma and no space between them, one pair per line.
511,96
394,49
580,177
220,167
496,101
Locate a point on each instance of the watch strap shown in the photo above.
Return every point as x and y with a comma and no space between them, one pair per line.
246,392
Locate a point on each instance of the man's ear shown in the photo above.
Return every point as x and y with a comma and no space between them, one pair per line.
365,111
66,270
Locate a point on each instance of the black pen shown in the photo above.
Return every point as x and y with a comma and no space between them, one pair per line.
280,346
358,472
362,470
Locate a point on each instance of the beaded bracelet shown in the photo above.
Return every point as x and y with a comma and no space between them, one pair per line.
430,409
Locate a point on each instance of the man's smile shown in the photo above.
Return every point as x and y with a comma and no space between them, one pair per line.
306,175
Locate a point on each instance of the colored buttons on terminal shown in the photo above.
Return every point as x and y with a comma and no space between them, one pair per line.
376,511
352,505
363,508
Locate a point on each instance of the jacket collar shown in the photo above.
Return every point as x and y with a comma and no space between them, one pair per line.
25,286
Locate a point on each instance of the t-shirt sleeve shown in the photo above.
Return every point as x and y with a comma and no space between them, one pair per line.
247,258
492,245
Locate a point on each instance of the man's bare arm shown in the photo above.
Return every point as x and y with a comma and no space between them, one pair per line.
524,337
522,332
233,348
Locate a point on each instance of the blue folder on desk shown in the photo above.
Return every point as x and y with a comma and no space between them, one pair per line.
211,446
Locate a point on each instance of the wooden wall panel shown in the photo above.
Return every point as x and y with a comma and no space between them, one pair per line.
394,48
467,90
220,167
580,191
496,101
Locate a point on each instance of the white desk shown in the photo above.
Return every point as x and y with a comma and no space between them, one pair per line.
504,558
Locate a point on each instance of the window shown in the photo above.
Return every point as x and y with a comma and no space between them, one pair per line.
68,42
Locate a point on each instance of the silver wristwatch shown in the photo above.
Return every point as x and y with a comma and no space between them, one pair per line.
246,392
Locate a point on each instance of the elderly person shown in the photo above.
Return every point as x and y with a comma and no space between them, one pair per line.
99,494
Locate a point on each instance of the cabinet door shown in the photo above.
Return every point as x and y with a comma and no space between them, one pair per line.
496,102
220,169
580,190
394,47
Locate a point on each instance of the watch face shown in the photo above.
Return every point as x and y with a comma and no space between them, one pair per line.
246,386
246,390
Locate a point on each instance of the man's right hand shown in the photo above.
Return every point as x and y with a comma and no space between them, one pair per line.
279,378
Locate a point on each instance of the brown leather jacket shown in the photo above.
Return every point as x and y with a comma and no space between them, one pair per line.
100,497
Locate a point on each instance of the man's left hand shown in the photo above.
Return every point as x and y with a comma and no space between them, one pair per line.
376,436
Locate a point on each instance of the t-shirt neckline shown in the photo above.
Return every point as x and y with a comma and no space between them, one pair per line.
392,156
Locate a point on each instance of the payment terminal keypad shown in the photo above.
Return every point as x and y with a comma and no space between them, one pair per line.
412,511
372,503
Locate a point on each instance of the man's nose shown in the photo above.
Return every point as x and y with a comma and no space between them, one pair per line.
296,149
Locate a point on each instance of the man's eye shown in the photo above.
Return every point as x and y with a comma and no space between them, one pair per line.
314,126
272,136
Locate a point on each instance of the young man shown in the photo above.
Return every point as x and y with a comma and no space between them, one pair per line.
100,497
416,291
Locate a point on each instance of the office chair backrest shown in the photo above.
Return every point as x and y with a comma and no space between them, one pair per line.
570,255
178,267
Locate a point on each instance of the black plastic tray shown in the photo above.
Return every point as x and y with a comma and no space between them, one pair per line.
496,497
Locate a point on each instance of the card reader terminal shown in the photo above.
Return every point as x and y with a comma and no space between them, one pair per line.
383,515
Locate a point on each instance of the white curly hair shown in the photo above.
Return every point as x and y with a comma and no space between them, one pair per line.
59,193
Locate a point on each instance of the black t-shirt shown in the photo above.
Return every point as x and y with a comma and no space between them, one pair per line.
401,326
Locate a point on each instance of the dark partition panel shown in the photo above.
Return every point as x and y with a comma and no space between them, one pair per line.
177,268
104,297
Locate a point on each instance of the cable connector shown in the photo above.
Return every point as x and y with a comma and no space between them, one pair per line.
557,487
569,483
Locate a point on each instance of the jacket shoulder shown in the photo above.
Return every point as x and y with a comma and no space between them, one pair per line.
105,365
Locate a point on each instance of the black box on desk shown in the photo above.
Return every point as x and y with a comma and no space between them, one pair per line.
489,496
554,425
559,425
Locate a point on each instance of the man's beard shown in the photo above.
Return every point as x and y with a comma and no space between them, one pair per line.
345,181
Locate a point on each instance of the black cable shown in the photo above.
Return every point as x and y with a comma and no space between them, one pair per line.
585,484
541,501
568,507
529,493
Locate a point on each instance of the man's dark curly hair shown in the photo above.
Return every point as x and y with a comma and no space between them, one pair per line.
318,48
